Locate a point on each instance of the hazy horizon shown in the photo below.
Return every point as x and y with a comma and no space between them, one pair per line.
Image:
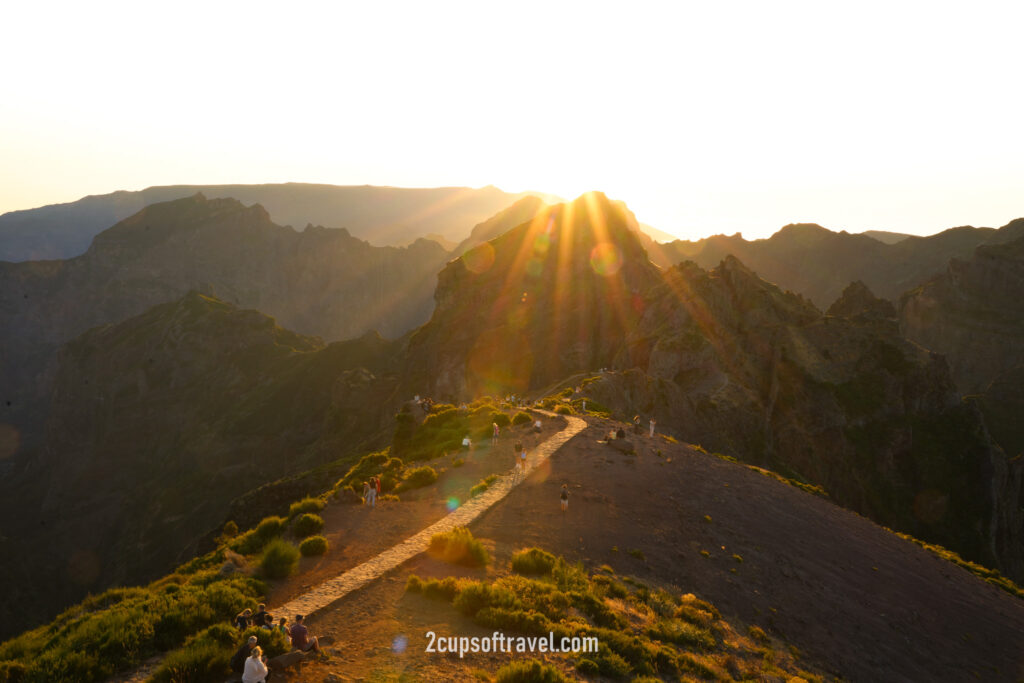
703,119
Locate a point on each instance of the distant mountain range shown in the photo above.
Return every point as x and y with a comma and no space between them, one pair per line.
819,264
383,216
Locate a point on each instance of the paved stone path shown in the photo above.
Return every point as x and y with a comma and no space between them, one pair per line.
357,577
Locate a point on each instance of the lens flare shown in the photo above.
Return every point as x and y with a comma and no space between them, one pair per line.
605,259
452,503
399,644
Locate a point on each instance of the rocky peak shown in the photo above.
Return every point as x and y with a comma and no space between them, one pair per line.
858,300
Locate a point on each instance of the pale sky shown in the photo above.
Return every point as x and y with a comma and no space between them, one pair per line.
704,117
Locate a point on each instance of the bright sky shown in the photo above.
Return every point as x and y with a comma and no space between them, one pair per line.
704,117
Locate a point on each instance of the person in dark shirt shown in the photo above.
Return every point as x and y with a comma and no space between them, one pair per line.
238,659
244,619
260,618
301,640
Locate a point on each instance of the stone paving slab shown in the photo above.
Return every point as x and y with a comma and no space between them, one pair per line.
334,589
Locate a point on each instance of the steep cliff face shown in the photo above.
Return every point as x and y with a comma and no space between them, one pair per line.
158,422
973,313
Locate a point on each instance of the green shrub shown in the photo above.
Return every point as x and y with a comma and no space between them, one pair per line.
414,584
473,596
529,671
588,667
459,547
682,633
521,418
483,485
533,561
307,524
314,545
443,589
313,505
564,409
502,420
418,478
252,541
279,559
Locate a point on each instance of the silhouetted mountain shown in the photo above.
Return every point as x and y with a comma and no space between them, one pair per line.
320,281
157,423
885,236
730,361
819,263
380,215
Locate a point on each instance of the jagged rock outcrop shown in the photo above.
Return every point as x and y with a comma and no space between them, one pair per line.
973,314
553,296
818,263
159,422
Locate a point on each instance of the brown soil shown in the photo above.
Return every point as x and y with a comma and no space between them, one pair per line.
857,601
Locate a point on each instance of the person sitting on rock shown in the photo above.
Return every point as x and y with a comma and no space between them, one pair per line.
301,640
621,434
238,659
283,628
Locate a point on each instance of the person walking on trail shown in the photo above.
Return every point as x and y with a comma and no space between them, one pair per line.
376,484
636,424
565,497
371,494
494,434
366,493
516,472
652,426
255,667
522,459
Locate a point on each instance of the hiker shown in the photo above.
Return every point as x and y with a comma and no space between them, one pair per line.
652,426
260,618
494,434
621,434
584,405
536,426
375,483
301,640
565,497
238,659
366,493
467,443
522,459
282,628
636,424
244,619
515,457
255,667
371,493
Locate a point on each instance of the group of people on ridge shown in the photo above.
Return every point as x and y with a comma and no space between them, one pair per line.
371,490
249,660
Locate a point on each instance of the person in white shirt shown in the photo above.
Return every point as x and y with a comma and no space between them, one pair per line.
255,667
